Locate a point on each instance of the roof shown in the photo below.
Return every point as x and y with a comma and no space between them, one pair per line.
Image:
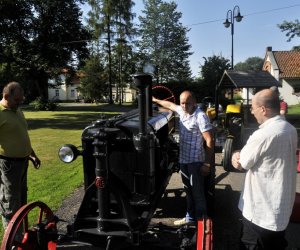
247,79
288,63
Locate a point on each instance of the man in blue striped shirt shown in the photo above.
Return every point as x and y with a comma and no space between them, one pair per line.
195,131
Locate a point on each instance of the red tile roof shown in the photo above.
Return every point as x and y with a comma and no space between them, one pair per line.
288,63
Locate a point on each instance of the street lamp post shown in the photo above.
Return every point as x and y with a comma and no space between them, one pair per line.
231,15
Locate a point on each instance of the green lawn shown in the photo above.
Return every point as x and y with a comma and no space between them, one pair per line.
295,109
293,116
49,131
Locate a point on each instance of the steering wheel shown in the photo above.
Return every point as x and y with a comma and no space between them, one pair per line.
163,93
39,236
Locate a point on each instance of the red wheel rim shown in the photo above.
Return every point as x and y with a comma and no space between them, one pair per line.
29,237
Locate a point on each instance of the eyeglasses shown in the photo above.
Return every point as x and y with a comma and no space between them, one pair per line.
253,109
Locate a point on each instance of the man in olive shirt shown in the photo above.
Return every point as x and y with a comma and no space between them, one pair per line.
15,151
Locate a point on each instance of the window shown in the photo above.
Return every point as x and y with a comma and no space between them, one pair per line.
57,92
72,93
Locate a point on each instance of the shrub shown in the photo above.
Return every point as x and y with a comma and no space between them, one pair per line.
42,104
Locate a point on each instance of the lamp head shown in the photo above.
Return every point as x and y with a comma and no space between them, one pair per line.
238,17
227,23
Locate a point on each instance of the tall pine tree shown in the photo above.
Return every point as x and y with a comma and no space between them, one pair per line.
111,21
163,41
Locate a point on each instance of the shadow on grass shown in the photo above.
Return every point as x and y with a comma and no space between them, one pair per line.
69,121
293,119
100,107
77,121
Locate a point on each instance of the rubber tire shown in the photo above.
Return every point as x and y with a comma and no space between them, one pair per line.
228,149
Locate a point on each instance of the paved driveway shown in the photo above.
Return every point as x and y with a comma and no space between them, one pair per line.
227,216
226,221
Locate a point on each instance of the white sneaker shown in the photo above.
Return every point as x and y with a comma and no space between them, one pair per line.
183,222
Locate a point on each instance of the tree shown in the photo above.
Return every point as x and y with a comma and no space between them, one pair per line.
292,29
93,83
251,63
111,22
163,41
123,59
123,48
38,39
212,71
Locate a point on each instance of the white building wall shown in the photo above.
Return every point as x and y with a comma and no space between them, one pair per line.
247,94
69,92
129,94
287,92
62,92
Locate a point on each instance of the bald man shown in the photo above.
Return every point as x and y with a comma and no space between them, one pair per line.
194,130
269,157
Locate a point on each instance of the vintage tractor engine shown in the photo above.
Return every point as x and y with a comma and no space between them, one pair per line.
127,161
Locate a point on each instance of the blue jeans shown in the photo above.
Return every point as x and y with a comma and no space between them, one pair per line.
193,183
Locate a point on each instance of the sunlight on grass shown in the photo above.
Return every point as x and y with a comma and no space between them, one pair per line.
295,109
54,181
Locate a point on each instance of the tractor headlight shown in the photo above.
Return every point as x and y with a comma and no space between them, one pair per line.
68,153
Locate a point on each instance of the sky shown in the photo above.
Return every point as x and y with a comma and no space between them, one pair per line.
257,30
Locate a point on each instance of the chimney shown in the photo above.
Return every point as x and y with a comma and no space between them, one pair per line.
269,49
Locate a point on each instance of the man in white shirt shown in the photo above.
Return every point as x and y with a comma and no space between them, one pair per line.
269,157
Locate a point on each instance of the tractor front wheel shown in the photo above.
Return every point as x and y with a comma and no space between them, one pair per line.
41,236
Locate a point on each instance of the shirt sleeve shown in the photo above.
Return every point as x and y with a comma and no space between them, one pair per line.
204,122
179,110
251,153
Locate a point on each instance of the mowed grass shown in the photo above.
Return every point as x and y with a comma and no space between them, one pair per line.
48,130
295,109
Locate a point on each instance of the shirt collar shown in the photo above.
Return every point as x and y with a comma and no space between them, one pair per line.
190,115
270,120
3,108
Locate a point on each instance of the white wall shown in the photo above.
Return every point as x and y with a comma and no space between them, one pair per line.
70,93
286,92
62,92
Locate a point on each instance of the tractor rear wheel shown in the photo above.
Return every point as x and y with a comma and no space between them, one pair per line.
228,150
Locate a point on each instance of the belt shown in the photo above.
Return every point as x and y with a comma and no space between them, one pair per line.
14,158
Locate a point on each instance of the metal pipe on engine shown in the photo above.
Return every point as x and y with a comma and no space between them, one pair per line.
142,81
149,100
100,154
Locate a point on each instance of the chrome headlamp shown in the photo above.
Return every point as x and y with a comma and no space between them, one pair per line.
68,153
